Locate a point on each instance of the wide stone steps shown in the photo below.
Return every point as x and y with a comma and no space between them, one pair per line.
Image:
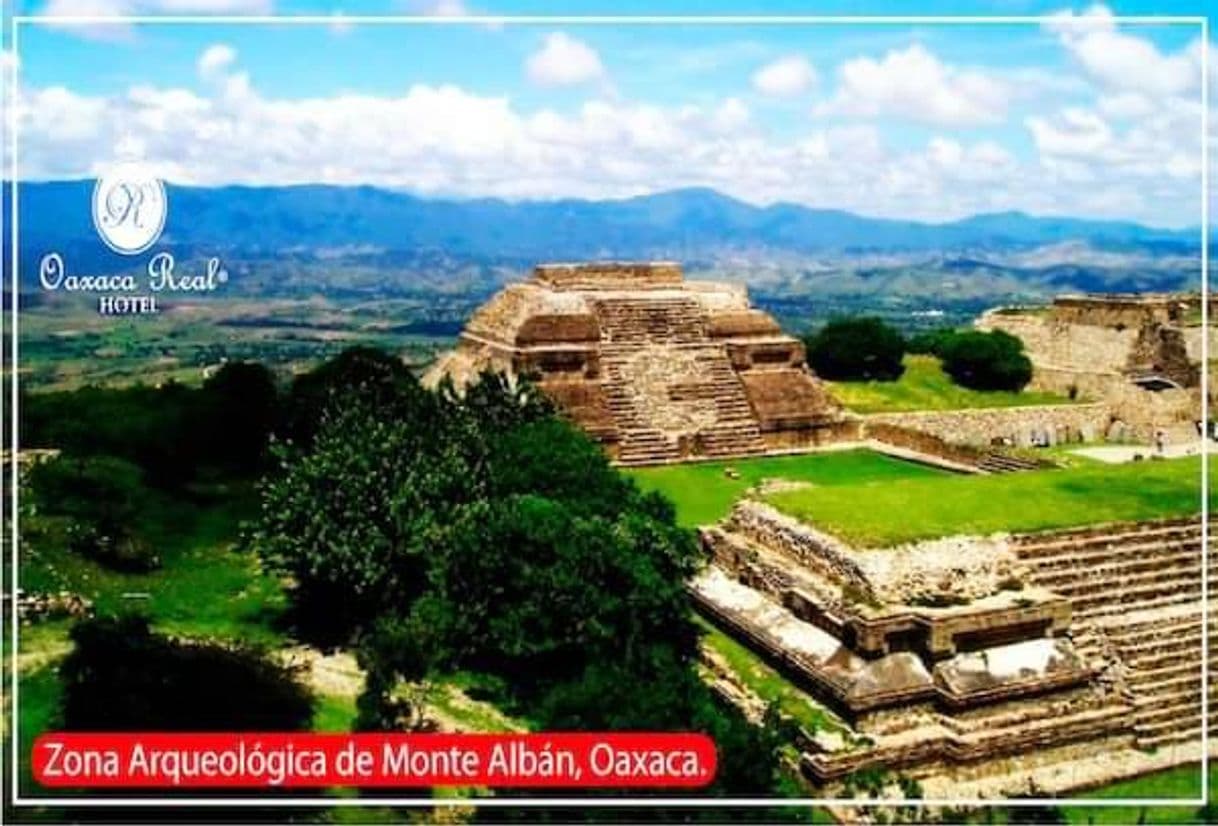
1160,649
658,320
1048,549
1150,593
734,431
1180,559
1112,579
1001,463
646,447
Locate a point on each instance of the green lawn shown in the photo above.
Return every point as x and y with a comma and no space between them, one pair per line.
205,587
703,493
1182,781
768,684
878,514
924,386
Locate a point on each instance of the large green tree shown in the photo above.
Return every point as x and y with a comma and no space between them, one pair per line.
986,360
857,349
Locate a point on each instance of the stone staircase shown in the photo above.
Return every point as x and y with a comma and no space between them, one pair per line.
638,444
632,326
657,319
1138,586
735,431
994,462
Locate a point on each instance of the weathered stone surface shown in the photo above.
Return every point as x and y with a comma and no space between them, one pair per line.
670,369
1019,426
1102,346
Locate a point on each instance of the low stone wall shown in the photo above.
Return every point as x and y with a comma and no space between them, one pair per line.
950,570
1021,426
619,275
920,442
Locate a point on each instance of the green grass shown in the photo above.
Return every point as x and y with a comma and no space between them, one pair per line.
332,713
924,386
205,586
880,514
768,684
703,493
1181,781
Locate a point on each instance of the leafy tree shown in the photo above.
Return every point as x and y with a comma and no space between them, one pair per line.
350,518
528,588
102,490
102,497
237,410
857,349
363,371
986,360
122,676
930,342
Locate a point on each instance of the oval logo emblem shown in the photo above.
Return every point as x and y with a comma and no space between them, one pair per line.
129,208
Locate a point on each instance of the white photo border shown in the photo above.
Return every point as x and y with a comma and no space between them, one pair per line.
320,801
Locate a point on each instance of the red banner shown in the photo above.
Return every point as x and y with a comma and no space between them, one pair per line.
279,760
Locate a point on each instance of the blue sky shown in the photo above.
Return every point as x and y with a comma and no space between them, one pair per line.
1074,116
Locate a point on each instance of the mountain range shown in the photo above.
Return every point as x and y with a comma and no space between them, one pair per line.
683,224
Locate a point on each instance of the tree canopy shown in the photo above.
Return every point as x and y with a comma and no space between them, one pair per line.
857,349
986,360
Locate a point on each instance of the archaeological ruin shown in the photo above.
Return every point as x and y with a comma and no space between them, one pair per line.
656,367
1000,665
982,666
1139,355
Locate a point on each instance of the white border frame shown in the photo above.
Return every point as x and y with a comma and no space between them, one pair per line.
319,801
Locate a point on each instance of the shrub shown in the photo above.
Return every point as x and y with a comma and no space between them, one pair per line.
857,349
102,496
122,676
986,360
930,342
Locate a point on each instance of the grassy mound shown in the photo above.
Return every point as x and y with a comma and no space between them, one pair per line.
879,514
924,386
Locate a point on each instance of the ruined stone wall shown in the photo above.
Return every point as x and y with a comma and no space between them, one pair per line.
1194,336
615,275
1021,426
919,441
962,568
1051,342
1121,310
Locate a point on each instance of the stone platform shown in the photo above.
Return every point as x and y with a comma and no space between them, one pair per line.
659,369
979,665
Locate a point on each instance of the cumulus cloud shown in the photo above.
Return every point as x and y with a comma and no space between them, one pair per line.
563,60
215,59
1100,157
914,84
785,77
1124,62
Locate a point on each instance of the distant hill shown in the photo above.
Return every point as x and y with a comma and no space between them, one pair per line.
689,224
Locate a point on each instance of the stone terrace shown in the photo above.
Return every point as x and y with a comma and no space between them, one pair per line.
657,368
978,665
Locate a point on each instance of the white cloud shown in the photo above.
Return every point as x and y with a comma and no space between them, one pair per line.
731,115
1123,62
120,30
786,77
215,60
914,84
439,8
564,61
446,140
